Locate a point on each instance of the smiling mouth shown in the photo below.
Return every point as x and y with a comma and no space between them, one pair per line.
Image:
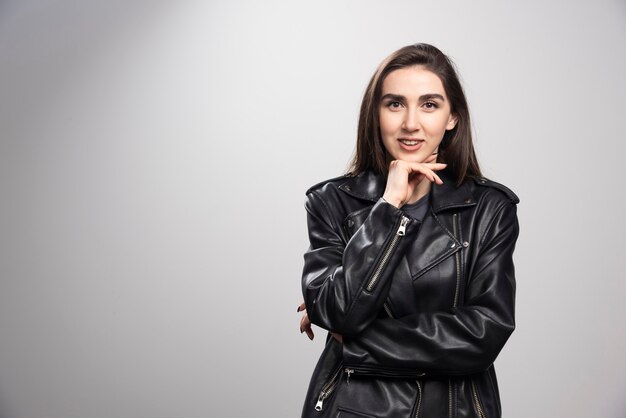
410,141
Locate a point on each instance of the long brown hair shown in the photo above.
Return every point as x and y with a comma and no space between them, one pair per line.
456,148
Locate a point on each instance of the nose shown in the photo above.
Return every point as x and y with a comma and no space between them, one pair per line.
411,121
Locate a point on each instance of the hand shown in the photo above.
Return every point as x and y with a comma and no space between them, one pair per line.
305,325
404,177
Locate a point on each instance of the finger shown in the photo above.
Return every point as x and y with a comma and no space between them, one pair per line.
436,166
301,307
413,167
435,178
415,178
432,176
438,179
304,322
425,171
305,326
309,332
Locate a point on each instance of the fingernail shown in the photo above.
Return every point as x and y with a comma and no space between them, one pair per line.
299,309
310,337
301,330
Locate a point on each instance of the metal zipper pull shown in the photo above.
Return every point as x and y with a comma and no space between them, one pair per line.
320,401
328,388
349,372
402,228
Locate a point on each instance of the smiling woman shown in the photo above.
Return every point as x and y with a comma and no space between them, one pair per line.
414,114
410,263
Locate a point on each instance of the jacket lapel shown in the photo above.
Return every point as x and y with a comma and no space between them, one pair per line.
371,186
435,240
365,186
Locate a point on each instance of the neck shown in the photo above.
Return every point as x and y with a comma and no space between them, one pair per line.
420,191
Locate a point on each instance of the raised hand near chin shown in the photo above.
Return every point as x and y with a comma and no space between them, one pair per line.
404,177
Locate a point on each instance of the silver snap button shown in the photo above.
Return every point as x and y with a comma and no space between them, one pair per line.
465,244
452,245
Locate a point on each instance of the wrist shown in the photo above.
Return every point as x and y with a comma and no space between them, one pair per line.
394,202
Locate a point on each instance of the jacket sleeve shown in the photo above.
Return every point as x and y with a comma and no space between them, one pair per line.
345,284
464,340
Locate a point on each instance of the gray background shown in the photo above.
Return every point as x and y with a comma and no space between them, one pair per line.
153,162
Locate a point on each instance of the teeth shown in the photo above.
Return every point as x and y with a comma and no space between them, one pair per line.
408,142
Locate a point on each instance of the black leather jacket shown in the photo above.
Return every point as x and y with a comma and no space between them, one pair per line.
424,307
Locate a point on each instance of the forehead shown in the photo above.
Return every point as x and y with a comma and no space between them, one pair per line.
412,81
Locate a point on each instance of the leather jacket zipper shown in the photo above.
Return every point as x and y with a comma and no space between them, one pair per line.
419,399
387,254
328,388
457,258
450,398
479,409
380,372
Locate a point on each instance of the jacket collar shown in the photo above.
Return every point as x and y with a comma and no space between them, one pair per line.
371,186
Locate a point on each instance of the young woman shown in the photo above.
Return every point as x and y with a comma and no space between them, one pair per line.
410,265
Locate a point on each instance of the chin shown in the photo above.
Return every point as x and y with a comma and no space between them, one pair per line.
413,158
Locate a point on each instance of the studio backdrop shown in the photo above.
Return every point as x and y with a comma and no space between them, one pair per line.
153,161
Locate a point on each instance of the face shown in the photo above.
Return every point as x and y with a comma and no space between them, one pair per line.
414,114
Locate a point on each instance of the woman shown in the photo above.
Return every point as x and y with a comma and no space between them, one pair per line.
410,264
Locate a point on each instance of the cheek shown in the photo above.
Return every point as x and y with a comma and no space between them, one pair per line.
383,123
437,126
388,124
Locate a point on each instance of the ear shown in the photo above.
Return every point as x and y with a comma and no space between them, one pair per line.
452,120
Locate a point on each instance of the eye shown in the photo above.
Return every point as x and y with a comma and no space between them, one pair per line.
430,105
394,105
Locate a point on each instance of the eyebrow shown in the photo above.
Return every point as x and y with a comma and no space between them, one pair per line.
422,98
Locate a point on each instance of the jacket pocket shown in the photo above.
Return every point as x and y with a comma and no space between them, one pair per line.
343,412
367,396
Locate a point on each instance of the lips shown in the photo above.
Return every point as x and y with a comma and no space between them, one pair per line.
411,144
410,141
